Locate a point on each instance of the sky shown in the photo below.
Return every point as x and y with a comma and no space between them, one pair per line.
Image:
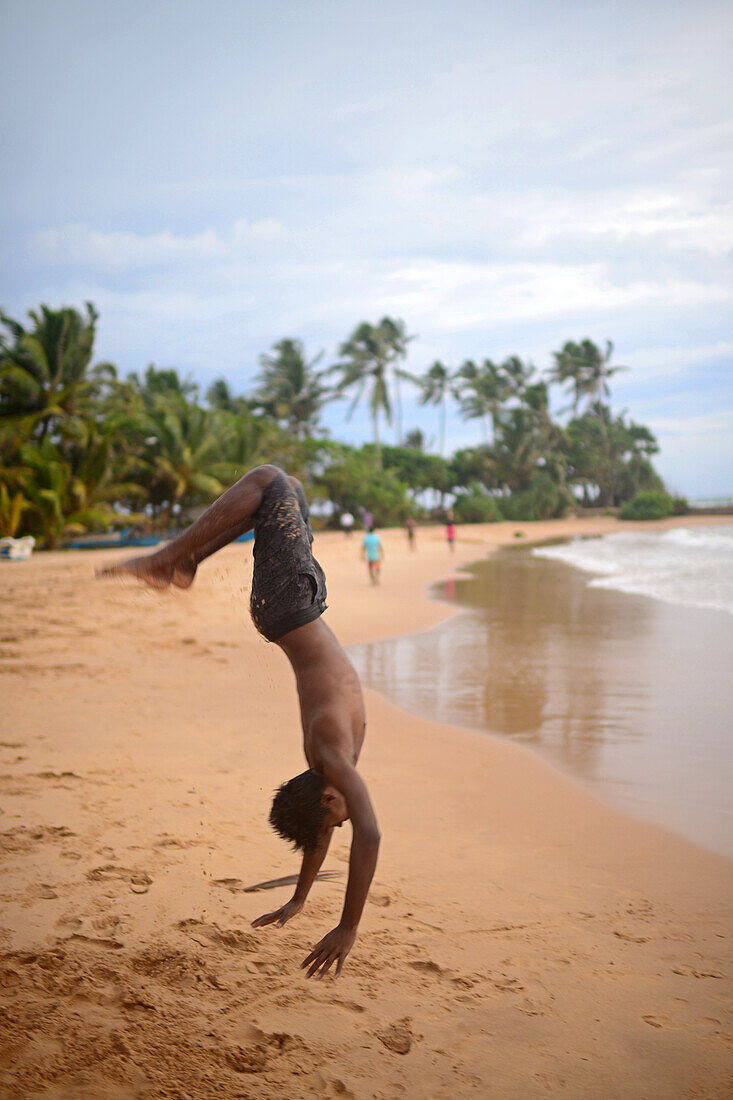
504,178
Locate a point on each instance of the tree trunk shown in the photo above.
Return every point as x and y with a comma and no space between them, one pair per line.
377,444
398,404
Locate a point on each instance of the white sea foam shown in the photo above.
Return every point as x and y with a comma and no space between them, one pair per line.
685,565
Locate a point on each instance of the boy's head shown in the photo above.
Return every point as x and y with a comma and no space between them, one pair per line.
303,807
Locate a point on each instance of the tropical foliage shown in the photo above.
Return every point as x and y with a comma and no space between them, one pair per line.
368,359
291,390
648,504
82,449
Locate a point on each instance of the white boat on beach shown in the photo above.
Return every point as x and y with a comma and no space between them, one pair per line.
17,549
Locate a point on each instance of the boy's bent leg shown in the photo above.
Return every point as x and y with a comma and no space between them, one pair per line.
221,523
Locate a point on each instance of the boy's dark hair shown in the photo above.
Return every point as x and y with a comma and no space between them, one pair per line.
297,813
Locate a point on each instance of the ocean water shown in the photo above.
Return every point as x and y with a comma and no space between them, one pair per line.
688,566
609,657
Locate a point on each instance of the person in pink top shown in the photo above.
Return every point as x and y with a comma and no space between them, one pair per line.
450,532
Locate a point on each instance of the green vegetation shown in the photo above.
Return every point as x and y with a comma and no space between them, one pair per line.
648,504
83,450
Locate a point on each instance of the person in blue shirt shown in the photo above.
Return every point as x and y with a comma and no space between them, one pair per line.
373,553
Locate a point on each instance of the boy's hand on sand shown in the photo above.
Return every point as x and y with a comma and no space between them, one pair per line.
333,948
280,916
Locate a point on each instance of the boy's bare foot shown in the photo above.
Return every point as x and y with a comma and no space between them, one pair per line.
183,573
157,573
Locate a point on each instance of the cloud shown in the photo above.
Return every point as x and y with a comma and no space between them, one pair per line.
459,295
679,221
115,252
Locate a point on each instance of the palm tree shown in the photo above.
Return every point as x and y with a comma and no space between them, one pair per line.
585,368
482,390
516,375
437,384
166,382
414,440
45,371
181,456
219,395
291,389
367,355
397,339
526,439
11,511
67,486
13,495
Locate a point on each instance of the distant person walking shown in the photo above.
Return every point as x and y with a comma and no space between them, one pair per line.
373,554
450,532
367,519
410,529
347,523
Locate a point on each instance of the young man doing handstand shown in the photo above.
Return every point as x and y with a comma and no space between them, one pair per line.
287,601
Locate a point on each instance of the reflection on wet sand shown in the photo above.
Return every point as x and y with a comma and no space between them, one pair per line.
628,693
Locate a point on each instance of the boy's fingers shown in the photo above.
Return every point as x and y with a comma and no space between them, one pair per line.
319,958
266,918
313,969
316,951
327,966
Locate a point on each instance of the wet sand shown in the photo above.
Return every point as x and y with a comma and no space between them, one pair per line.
629,694
521,937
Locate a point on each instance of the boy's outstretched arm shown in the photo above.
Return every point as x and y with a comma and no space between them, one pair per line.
309,868
334,947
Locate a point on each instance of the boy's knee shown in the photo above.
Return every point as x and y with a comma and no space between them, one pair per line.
265,474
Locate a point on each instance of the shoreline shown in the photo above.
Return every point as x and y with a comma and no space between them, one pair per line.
520,935
616,756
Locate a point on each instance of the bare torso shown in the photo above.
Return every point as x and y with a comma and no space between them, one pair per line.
329,692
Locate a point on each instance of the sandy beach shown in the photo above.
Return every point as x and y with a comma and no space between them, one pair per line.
521,938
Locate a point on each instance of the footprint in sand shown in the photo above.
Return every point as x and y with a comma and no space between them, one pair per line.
174,967
252,1050
331,1088
206,935
426,966
11,785
507,985
69,923
233,885
166,841
397,1037
381,900
41,891
628,938
692,972
57,775
431,969
95,941
351,1006
24,839
138,881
